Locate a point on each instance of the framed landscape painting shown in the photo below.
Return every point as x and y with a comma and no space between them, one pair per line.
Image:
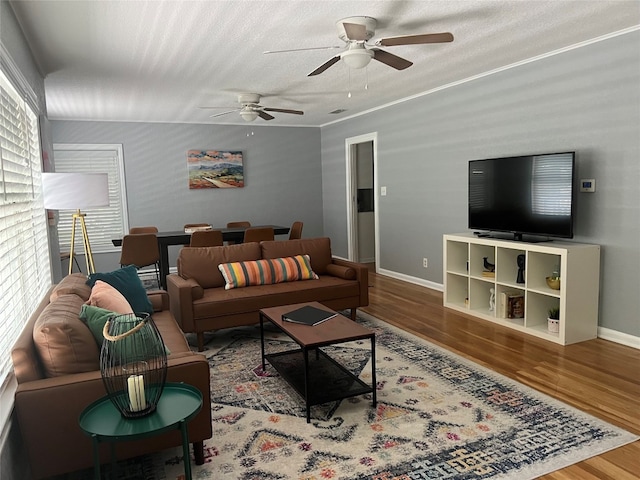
215,169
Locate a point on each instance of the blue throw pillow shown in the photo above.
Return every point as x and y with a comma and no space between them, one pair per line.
127,282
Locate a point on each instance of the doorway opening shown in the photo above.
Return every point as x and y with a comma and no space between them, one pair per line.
362,199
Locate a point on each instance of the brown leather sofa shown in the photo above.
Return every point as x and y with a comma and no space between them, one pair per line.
200,302
48,407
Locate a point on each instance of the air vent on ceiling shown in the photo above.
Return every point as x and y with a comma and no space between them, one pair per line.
339,110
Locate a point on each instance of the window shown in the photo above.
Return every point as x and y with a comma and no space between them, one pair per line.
25,270
103,224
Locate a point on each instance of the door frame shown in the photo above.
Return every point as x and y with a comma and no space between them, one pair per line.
352,194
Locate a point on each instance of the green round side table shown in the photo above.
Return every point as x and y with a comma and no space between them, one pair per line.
178,404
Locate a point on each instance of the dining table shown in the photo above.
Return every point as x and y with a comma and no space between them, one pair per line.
180,237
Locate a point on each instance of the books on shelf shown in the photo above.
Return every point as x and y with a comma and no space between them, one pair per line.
511,305
197,229
488,274
308,315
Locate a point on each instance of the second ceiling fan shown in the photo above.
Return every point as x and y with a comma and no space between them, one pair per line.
250,108
356,32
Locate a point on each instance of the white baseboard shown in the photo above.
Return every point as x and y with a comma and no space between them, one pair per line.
415,280
619,337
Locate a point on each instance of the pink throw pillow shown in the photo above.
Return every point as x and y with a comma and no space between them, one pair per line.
105,296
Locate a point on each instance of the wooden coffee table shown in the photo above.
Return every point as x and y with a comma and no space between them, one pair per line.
318,378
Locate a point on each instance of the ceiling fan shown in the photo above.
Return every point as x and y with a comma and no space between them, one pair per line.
356,32
250,108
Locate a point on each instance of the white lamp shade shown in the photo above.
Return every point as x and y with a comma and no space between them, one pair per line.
75,191
357,57
248,115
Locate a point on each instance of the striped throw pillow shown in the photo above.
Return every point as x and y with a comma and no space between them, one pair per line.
267,271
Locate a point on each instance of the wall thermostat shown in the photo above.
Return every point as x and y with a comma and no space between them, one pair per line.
588,185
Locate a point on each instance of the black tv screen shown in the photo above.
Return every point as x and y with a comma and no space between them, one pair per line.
530,194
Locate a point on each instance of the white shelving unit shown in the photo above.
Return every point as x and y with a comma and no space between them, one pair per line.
468,291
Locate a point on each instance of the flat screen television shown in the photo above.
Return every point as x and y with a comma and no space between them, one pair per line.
524,195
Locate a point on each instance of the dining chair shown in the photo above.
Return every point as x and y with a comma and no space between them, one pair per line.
296,231
136,230
141,250
258,234
237,225
206,238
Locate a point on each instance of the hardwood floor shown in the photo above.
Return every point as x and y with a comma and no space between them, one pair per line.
599,377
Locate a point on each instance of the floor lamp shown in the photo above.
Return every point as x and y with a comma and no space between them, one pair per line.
76,191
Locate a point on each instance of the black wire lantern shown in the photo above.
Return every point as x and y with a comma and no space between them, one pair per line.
133,364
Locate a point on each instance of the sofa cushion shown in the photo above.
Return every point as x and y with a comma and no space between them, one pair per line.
268,271
127,282
201,263
104,295
75,284
64,344
318,249
218,302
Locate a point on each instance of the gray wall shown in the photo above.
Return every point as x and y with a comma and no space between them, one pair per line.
587,99
281,165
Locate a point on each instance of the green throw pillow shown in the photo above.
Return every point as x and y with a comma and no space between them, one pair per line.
96,317
127,282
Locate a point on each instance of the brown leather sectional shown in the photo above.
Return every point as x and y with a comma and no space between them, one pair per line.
48,407
200,302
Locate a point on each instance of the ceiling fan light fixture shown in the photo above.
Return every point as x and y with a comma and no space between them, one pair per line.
357,58
248,115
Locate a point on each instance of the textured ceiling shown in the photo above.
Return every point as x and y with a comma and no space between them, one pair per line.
159,61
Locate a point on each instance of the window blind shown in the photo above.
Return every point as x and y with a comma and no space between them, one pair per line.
25,271
103,224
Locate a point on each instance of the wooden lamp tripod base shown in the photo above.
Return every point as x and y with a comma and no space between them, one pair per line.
85,240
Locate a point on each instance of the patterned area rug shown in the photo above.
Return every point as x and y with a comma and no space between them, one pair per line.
438,416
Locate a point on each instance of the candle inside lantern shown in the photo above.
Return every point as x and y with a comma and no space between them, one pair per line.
135,384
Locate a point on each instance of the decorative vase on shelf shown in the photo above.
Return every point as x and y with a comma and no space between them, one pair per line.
133,364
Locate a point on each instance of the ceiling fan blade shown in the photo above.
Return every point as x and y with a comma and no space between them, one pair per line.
355,31
390,59
324,66
283,110
302,49
264,115
416,39
223,113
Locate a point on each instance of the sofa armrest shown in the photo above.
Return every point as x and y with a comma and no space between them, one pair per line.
362,275
341,271
182,292
159,300
48,411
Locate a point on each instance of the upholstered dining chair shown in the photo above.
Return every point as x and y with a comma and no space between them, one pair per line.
237,225
141,250
194,225
296,231
258,234
136,230
206,238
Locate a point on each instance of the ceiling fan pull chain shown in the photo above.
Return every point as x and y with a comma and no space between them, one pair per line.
366,78
349,72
